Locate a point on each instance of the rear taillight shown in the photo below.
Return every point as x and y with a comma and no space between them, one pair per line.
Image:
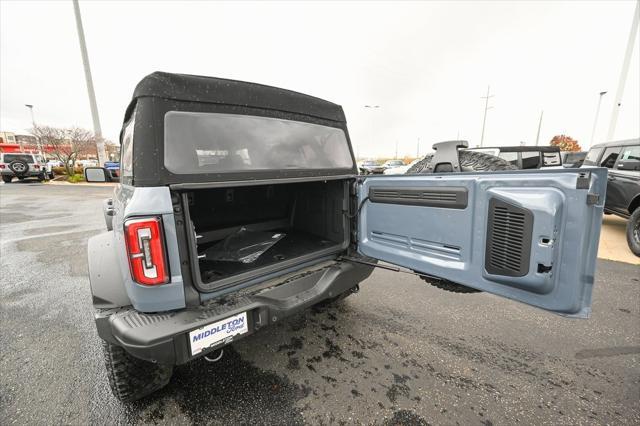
1,166
146,250
35,166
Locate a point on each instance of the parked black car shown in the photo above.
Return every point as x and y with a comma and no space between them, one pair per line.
622,158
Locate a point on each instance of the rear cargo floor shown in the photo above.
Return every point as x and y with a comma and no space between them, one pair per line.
294,244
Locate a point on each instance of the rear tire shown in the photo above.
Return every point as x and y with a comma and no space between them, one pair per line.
633,232
131,378
470,161
7,179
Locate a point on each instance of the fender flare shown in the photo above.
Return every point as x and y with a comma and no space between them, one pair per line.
105,279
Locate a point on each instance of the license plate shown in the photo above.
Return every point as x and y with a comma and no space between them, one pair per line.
214,333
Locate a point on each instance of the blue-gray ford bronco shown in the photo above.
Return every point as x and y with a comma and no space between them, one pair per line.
240,204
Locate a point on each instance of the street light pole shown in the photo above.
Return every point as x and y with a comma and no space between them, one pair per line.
97,130
539,127
617,102
33,124
486,108
595,120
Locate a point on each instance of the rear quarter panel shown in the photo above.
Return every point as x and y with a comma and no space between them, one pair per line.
130,202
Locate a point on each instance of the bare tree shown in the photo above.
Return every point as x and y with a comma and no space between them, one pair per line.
66,144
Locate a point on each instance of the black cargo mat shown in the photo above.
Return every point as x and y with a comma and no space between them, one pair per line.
294,244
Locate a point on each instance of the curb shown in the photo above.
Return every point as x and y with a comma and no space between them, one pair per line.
98,185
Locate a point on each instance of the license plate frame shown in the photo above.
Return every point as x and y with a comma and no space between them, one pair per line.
217,332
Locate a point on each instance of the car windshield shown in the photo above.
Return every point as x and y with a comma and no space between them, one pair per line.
592,157
212,143
24,157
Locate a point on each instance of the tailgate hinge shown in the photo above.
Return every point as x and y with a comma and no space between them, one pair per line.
584,180
592,198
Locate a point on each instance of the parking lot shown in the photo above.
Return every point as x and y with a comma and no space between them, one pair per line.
398,352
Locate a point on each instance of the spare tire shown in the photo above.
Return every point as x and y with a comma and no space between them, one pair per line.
470,161
19,167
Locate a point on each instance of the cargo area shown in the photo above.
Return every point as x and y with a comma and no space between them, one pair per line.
242,232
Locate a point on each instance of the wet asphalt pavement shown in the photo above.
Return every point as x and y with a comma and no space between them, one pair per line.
398,352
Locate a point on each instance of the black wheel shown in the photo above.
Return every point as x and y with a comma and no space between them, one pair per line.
7,179
51,175
470,161
633,232
42,176
132,378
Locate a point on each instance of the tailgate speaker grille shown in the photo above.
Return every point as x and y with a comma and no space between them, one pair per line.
509,230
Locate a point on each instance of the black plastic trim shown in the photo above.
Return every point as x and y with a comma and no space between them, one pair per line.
450,197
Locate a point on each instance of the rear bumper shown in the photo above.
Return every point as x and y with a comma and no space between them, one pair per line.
164,337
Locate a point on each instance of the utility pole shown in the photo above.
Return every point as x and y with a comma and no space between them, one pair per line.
539,127
486,108
33,124
396,157
617,102
595,120
418,149
97,130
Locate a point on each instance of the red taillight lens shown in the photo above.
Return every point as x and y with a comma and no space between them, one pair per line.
145,248
1,166
35,166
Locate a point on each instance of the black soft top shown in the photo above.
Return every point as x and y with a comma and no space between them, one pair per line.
194,88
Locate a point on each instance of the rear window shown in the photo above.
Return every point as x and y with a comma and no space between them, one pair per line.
12,157
212,143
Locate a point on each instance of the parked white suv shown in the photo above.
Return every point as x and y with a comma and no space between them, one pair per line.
23,165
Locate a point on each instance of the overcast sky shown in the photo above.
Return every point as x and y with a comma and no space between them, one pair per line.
426,64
